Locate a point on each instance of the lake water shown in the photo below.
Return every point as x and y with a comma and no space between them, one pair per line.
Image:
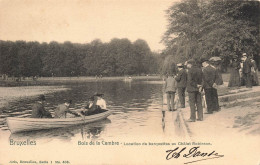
136,105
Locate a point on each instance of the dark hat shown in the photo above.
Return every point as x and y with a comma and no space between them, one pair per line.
91,98
235,56
69,101
99,94
212,62
204,60
244,54
180,65
42,97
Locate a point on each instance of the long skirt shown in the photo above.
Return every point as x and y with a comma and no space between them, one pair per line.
255,78
234,80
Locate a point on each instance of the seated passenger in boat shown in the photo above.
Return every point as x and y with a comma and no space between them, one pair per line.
101,101
62,110
38,110
92,108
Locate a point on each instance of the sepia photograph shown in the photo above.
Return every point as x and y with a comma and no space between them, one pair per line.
129,82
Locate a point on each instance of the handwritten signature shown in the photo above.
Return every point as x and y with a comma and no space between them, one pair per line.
192,153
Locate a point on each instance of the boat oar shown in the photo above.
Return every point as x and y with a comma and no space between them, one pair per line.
78,112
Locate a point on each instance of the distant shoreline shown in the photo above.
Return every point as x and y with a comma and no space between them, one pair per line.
94,78
83,78
11,82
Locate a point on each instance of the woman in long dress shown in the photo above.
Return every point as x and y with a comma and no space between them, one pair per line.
234,80
254,73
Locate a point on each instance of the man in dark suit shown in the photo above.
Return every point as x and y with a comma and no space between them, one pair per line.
194,83
181,79
209,84
38,110
246,70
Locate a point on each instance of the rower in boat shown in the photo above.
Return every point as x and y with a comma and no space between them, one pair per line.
38,110
63,109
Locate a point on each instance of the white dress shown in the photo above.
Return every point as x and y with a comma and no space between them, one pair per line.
102,103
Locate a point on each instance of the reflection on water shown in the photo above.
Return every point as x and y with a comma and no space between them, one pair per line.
177,124
163,120
137,110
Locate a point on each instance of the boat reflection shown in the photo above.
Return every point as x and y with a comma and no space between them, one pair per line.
163,121
87,131
177,125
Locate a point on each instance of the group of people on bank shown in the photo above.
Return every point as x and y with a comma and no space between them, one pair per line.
243,71
197,78
96,104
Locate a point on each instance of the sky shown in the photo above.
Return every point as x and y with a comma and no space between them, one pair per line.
82,21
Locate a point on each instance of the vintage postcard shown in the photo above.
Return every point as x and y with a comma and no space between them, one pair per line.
129,82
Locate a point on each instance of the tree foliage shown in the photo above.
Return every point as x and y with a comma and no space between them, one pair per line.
118,57
206,28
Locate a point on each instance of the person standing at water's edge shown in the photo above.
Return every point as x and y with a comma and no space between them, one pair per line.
38,110
218,81
209,82
234,80
181,79
194,84
254,71
170,89
246,70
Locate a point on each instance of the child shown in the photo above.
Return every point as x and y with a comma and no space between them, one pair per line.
170,89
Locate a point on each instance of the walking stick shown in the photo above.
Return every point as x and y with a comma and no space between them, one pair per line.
204,101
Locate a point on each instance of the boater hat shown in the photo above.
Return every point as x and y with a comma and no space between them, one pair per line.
244,54
42,97
69,101
204,60
99,94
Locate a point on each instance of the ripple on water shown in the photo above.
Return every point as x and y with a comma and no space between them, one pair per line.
136,107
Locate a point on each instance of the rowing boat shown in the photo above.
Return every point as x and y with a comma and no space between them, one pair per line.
16,124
